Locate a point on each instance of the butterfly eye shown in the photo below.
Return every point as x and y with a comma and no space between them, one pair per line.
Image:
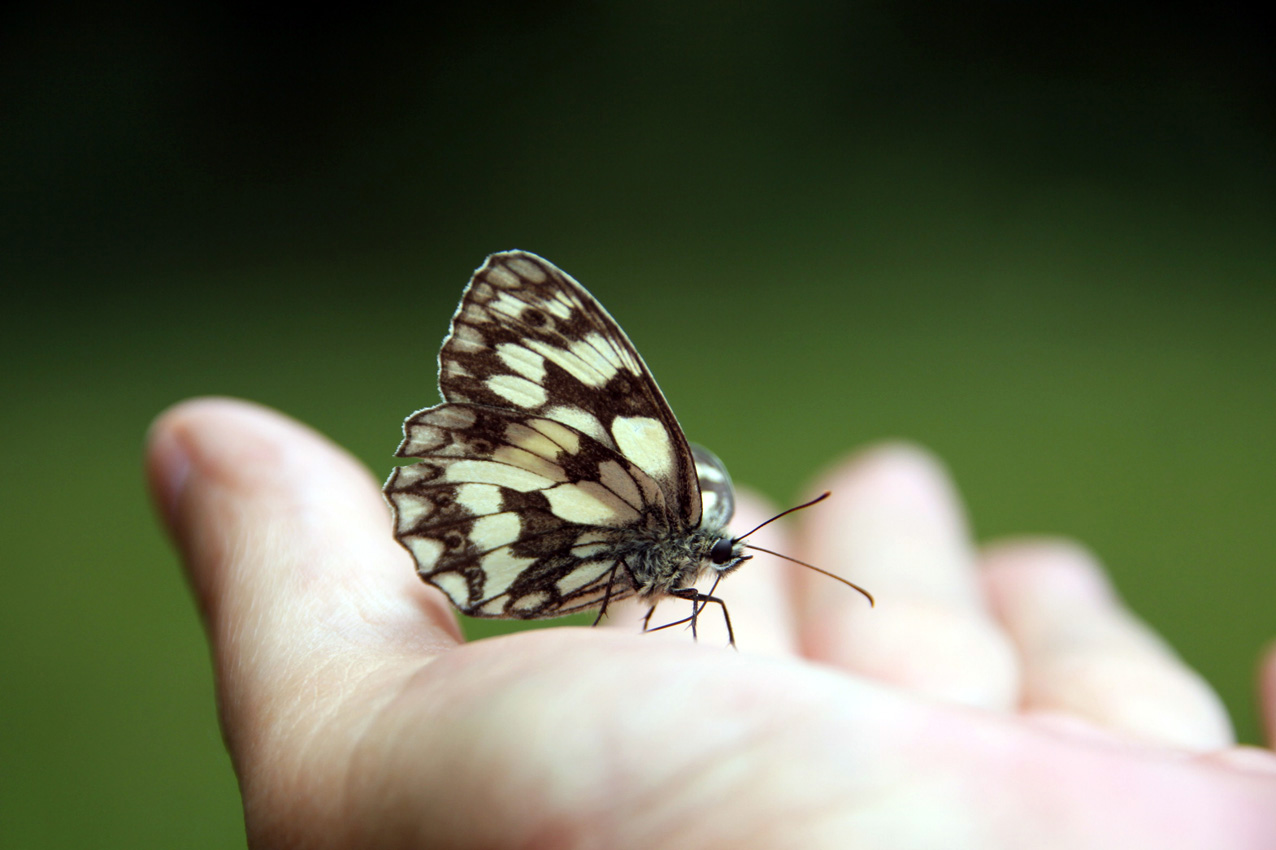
722,551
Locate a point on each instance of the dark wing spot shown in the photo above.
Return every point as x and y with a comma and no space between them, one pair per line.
533,317
619,386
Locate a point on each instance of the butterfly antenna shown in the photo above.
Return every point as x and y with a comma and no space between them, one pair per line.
816,500
867,595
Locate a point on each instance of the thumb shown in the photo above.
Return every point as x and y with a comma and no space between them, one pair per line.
286,543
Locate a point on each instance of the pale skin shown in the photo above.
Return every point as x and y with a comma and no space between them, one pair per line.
996,697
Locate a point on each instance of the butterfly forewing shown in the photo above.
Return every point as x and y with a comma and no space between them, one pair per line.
527,336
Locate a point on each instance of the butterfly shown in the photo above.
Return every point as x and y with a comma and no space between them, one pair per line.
554,478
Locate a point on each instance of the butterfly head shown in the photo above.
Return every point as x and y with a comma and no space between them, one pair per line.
727,554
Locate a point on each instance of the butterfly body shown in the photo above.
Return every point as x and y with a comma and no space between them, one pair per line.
553,478
648,561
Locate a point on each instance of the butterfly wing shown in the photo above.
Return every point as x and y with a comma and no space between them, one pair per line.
554,462
528,337
717,494
517,516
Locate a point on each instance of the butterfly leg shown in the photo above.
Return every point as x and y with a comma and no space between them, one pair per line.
611,580
698,602
646,621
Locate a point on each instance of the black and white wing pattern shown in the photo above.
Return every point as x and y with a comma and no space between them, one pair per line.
553,478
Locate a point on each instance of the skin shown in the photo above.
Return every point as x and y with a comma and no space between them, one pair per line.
996,697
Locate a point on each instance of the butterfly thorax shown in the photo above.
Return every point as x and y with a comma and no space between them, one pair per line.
666,562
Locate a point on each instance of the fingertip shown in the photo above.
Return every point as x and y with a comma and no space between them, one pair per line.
167,464
208,438
1085,653
241,444
891,489
1052,571
270,515
895,519
216,468
1267,691
896,469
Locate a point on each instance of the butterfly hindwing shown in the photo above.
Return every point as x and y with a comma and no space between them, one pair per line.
717,494
514,515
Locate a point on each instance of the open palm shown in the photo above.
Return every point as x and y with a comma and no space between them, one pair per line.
995,698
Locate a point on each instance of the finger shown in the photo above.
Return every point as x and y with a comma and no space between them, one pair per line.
894,525
287,544
1267,693
1243,757
757,595
1086,655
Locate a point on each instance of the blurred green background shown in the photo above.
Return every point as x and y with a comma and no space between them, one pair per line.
1037,238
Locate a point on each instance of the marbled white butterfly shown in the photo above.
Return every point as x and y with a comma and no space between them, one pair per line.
554,478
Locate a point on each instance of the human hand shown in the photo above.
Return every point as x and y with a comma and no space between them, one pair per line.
1002,698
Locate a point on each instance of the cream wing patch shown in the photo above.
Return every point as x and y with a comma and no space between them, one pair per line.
645,442
589,503
479,499
426,550
500,570
520,359
454,585
585,574
565,438
495,530
491,472
519,392
581,420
